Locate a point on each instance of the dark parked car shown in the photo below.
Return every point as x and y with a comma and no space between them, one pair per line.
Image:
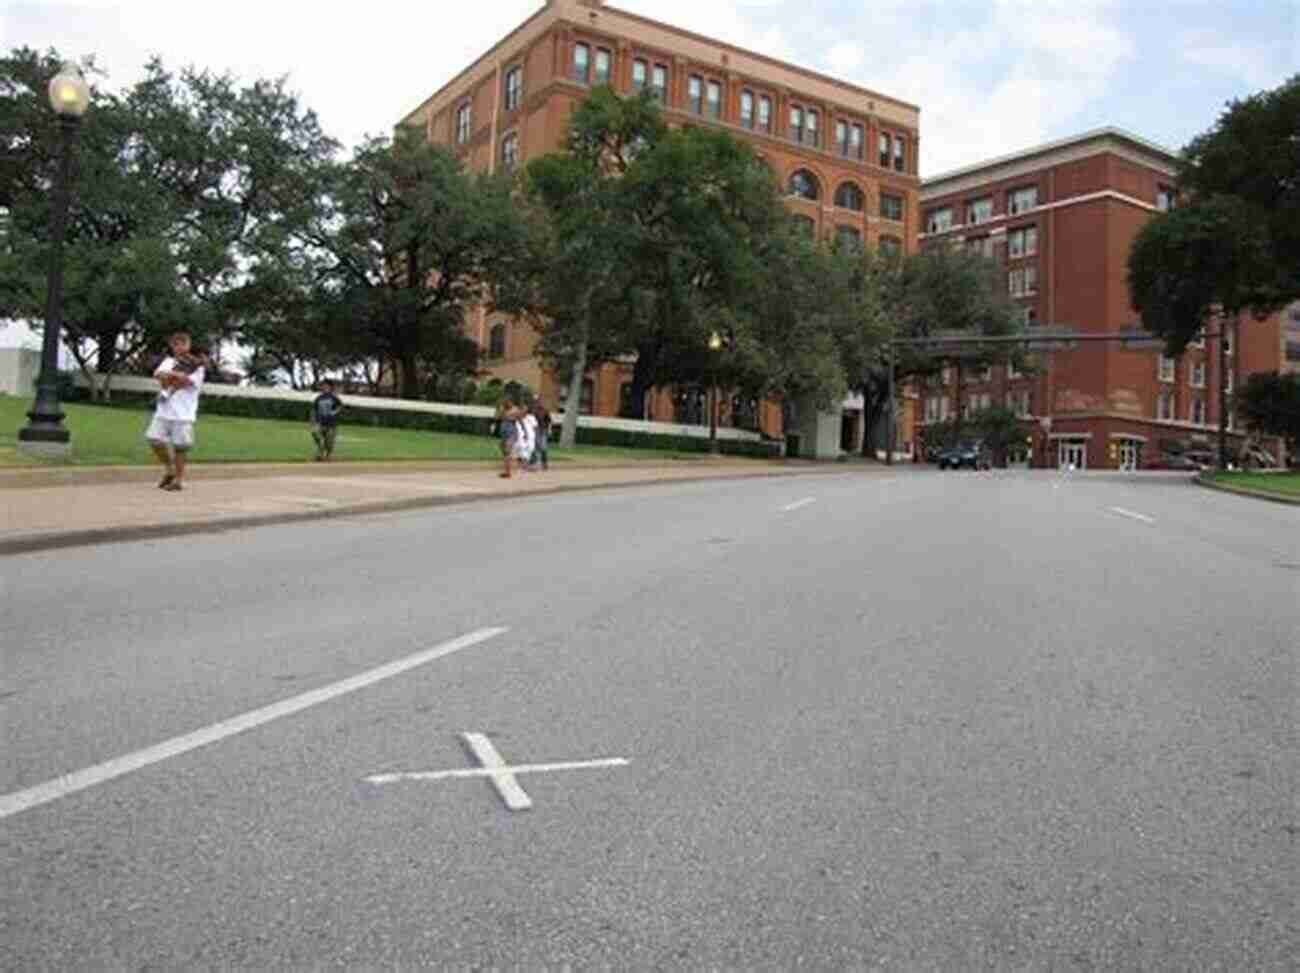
966,455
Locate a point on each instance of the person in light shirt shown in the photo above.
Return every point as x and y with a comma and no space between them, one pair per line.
171,432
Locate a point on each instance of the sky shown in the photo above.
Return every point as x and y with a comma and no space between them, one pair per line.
990,76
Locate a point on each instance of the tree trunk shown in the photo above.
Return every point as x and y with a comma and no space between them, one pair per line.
642,375
410,377
573,403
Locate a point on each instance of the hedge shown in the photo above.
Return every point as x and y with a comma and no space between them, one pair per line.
294,411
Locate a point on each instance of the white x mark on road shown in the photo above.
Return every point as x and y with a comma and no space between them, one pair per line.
494,767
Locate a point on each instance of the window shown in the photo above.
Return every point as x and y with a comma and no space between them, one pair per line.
463,123
1165,406
805,227
497,341
899,156
849,238
1166,369
1016,282
884,150
804,184
1021,200
980,211
660,85
1020,403
1013,371
856,141
932,409
714,103
1031,279
983,245
1022,241
747,109
1031,316
603,63
1197,378
514,88
510,152
810,133
948,375
849,196
695,94
891,207
1227,339
640,74
796,124
842,137
1164,198
1198,411
938,220
764,113
581,63
890,246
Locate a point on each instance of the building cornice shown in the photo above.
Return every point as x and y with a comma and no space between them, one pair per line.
1105,140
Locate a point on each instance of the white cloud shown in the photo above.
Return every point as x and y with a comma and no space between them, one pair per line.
1254,66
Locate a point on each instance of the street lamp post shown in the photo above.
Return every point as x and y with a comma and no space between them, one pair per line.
44,433
715,346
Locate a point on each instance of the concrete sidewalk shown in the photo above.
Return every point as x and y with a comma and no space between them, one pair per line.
47,508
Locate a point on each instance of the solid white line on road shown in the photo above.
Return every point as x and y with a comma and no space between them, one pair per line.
799,503
51,790
1131,515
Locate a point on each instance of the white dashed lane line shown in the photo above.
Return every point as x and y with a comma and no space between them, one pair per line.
798,504
1131,515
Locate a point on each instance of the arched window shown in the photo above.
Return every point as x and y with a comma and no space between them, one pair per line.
805,227
804,185
497,341
510,152
891,246
849,196
849,238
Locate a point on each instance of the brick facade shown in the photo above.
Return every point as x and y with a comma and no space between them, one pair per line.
1082,202
546,49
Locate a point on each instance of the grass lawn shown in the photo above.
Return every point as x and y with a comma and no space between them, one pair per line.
113,437
1287,484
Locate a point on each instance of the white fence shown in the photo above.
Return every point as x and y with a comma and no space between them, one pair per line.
137,384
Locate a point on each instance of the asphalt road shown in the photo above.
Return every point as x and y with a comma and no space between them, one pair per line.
906,721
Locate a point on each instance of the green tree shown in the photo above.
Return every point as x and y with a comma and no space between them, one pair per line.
180,182
1234,244
584,239
1269,403
937,292
403,246
1252,155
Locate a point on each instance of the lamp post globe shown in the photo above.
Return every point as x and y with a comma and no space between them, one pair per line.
44,434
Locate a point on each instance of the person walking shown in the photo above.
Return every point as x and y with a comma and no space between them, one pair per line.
325,410
541,449
508,435
527,439
171,431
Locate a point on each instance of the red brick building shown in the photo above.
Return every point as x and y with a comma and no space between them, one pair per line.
847,155
1061,219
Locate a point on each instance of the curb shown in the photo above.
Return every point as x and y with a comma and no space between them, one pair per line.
1248,492
58,540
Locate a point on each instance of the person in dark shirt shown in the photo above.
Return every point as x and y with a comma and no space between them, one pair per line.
325,420
540,451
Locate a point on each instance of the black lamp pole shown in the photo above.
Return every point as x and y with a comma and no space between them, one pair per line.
44,432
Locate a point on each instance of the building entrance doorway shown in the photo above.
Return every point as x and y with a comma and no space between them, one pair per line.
1130,453
1072,453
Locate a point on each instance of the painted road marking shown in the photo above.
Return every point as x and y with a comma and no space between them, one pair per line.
51,790
493,766
1131,515
800,503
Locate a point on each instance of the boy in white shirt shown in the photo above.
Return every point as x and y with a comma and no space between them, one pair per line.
171,433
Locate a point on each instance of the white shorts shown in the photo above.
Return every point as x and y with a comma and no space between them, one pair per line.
170,432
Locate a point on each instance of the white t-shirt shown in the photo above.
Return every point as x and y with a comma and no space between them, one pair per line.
529,427
179,404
